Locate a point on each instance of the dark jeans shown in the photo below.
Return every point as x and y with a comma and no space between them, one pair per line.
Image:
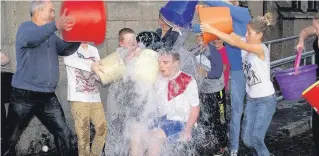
315,130
6,78
24,106
213,115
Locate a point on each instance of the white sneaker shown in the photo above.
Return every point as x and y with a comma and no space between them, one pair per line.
233,153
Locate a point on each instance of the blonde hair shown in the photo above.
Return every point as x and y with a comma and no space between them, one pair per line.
261,23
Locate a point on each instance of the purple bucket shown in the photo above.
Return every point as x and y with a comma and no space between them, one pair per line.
292,85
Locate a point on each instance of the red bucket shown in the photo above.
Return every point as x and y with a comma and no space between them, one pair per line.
312,96
90,18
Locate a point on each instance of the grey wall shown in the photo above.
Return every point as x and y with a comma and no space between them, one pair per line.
136,15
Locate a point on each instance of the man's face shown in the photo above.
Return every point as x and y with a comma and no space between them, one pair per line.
129,41
46,14
167,65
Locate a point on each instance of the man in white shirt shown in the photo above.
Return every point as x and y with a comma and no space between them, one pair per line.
85,99
178,105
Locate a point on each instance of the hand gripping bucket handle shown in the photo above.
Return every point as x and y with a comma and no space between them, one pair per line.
297,62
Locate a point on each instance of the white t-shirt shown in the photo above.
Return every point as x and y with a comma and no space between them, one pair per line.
81,80
176,96
257,73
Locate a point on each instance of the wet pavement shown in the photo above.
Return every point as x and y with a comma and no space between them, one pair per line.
300,145
289,133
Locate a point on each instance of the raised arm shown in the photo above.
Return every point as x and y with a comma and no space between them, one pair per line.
234,40
30,35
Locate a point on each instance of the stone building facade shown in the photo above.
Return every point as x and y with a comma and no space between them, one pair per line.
138,15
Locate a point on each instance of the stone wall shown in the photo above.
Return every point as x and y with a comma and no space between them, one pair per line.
138,15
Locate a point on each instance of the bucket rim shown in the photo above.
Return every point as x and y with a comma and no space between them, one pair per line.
291,71
309,88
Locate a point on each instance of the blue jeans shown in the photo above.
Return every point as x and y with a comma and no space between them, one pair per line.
258,115
238,92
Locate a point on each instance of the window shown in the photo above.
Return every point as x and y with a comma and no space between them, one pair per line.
313,6
296,5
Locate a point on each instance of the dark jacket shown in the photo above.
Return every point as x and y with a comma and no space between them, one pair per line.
37,50
169,39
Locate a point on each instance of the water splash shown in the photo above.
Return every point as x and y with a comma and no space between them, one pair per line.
132,104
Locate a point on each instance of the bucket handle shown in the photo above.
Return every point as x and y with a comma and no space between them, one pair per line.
297,62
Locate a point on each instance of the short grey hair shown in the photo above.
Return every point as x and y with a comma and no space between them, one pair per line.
35,5
173,53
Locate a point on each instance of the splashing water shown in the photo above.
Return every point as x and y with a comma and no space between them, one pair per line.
132,104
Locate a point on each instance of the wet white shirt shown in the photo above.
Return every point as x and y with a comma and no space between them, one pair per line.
81,80
176,96
257,74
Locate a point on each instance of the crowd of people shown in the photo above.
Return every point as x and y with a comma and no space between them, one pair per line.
238,63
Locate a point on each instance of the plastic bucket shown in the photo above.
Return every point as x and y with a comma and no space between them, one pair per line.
145,67
113,68
292,85
90,18
217,17
311,94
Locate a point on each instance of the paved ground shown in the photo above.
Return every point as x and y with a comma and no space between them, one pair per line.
289,133
300,145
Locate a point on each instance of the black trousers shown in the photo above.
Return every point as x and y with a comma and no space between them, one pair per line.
6,78
24,106
213,115
315,130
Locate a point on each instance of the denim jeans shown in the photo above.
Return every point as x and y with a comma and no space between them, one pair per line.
24,106
258,115
238,92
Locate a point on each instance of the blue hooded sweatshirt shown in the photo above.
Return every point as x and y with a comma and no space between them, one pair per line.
240,19
37,50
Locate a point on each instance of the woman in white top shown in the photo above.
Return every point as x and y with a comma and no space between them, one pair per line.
261,101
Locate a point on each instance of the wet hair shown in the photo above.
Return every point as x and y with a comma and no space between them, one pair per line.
35,5
124,31
261,23
173,53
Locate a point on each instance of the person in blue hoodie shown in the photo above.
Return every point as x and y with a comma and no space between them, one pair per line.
37,75
240,18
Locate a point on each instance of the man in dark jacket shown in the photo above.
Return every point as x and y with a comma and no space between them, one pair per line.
37,75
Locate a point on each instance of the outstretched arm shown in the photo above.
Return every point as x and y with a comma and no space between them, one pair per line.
30,35
234,40
304,34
